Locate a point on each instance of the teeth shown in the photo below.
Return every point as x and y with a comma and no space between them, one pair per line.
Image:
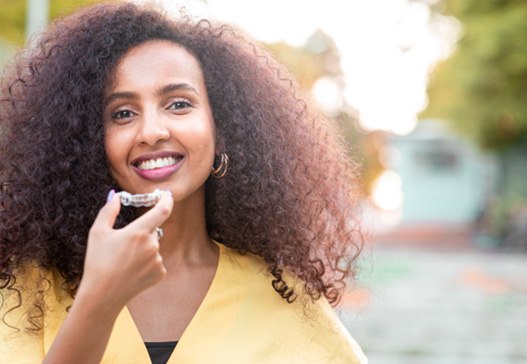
157,163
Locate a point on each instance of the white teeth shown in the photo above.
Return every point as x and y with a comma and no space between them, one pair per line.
156,163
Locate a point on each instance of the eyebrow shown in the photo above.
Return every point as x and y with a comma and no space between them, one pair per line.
176,86
162,91
119,95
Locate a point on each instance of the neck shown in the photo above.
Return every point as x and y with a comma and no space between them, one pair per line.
185,240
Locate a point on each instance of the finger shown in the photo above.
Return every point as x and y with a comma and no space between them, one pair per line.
109,212
157,215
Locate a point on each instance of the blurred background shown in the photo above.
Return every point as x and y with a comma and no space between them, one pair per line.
431,97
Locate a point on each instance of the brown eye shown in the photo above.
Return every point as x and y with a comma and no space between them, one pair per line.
122,114
179,105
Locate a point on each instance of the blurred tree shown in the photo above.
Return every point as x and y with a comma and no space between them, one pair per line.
482,91
13,16
12,21
482,88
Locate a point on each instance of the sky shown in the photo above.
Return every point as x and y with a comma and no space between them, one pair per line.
387,47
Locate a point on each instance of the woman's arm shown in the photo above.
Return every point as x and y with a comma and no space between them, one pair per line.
119,264
85,332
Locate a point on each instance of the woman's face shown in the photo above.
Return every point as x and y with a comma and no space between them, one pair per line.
159,131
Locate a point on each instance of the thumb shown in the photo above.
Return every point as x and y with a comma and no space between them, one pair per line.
109,212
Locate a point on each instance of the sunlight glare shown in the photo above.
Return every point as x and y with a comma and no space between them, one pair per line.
387,191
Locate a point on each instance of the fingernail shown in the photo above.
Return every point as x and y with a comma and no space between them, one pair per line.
168,191
110,195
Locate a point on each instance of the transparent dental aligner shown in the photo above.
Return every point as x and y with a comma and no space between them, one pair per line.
139,200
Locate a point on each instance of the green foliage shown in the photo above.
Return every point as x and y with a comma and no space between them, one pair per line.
482,88
64,7
12,21
13,16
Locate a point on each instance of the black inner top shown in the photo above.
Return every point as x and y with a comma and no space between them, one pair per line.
160,351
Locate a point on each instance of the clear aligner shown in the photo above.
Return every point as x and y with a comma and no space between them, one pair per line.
140,200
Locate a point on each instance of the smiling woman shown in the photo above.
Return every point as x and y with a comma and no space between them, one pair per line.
254,229
158,122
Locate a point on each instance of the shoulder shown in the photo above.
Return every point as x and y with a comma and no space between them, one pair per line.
302,331
247,263
248,275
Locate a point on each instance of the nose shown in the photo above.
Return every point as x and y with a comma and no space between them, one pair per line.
153,129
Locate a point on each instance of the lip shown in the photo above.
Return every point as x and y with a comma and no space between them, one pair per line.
158,173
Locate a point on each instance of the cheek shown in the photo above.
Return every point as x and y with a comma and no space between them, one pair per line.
112,150
202,139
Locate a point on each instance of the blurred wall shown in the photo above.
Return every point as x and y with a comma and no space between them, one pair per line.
444,178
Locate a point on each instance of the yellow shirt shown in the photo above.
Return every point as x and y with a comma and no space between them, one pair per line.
241,320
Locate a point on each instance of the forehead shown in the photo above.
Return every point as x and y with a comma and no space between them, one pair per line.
157,61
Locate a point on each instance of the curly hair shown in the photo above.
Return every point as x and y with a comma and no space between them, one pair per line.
290,195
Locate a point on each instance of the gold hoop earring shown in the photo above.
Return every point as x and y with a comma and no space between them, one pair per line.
221,170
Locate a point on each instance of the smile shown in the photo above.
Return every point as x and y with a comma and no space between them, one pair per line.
158,165
150,164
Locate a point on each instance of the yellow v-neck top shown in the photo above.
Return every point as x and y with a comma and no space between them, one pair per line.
240,320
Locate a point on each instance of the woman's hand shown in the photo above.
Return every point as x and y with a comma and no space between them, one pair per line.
120,263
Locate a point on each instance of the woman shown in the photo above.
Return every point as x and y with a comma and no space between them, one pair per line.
255,230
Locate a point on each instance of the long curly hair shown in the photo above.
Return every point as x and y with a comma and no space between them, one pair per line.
290,194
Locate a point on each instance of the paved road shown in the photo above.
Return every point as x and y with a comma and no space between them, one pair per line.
429,307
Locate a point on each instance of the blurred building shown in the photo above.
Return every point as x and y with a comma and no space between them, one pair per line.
445,179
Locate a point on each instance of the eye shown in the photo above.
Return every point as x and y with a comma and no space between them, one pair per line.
179,105
122,115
